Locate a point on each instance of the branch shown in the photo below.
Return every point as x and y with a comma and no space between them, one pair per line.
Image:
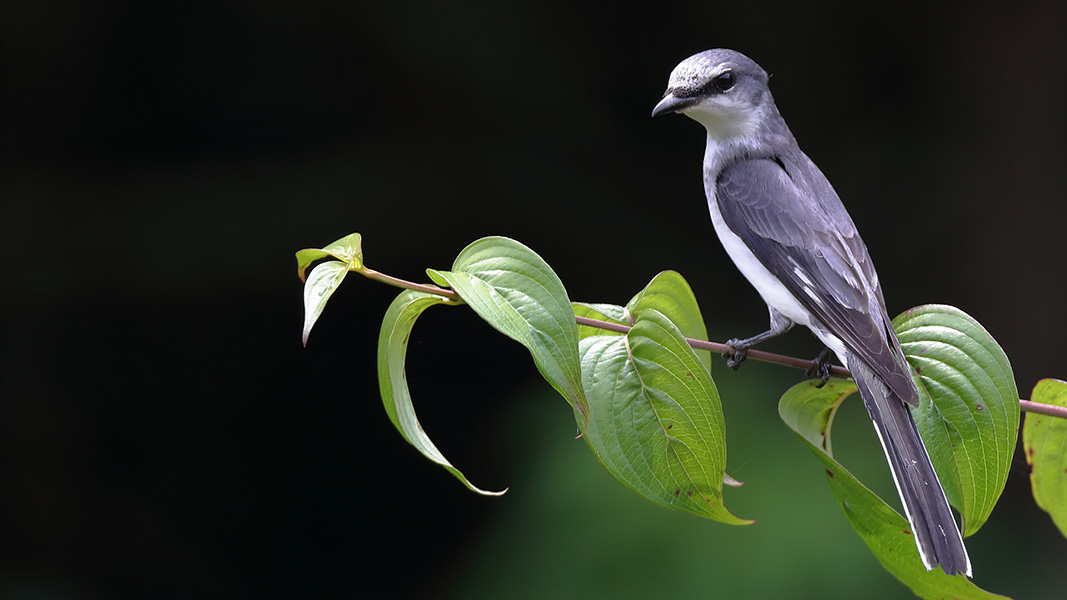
768,357
408,285
1043,409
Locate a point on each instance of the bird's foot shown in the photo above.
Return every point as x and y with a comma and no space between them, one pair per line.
821,368
735,358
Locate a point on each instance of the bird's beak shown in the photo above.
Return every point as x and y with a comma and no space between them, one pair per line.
671,103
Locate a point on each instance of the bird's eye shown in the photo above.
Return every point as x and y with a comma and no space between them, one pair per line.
725,81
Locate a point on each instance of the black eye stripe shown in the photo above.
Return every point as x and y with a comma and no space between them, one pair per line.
722,82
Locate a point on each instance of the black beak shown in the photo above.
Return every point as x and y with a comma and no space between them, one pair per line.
671,103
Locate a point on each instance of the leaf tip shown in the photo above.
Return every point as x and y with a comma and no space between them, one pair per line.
730,481
488,493
585,422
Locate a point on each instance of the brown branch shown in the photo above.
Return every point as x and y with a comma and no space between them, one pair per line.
800,363
768,357
408,285
1043,409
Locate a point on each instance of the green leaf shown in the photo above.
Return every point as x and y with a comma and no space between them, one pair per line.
392,380
516,292
655,421
809,412
1045,444
348,250
324,280
968,414
610,313
670,294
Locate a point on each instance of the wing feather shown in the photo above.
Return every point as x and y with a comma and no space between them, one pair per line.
796,226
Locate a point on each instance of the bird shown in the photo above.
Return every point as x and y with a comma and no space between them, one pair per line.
787,231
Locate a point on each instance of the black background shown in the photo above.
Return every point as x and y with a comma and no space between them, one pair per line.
163,432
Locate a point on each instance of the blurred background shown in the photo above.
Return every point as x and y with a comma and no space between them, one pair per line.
163,434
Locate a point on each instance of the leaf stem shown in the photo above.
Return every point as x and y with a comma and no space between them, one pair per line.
768,357
408,285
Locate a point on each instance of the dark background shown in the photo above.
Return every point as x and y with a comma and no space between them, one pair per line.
165,435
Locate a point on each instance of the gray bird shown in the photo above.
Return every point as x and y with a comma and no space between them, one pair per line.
786,230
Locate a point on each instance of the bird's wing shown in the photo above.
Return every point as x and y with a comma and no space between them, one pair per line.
802,234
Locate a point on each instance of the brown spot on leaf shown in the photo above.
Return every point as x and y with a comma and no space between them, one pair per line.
676,492
829,473
979,407
669,425
908,531
690,494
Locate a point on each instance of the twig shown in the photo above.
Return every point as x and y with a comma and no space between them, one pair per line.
1043,409
760,355
409,285
768,357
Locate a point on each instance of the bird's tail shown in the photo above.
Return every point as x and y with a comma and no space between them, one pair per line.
932,524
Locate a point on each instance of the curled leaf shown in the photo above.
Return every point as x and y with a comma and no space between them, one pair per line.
392,381
320,285
809,412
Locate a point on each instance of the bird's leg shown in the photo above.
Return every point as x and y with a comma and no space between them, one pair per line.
741,347
821,368
779,325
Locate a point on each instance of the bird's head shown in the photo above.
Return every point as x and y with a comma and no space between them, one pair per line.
721,89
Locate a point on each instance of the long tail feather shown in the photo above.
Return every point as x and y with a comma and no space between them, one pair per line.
934,528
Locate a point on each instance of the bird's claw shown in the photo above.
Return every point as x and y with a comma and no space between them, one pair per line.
821,368
734,359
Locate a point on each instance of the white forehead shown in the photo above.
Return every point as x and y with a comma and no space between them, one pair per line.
694,71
